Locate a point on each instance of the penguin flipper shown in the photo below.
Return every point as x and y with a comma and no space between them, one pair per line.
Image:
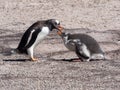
82,51
32,39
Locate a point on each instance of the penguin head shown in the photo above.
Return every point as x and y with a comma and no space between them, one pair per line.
64,35
54,24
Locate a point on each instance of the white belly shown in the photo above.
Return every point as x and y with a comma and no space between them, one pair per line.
44,32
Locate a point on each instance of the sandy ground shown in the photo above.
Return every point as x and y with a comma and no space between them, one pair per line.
98,18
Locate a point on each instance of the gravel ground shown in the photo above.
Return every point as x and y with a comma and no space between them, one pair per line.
97,18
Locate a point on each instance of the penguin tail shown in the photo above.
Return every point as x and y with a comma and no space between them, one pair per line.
14,51
10,52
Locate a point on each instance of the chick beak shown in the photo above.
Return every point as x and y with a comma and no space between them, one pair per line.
59,32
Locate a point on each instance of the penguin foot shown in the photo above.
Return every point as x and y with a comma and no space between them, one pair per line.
34,59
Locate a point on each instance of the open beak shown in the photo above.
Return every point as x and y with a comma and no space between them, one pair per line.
59,32
60,27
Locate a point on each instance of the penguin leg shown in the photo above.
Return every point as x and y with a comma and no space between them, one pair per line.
30,53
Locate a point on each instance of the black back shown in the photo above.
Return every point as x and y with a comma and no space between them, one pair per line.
90,42
37,27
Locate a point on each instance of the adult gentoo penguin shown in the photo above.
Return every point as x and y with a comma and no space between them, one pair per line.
85,46
34,34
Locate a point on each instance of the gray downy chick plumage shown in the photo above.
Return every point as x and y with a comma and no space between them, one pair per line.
83,45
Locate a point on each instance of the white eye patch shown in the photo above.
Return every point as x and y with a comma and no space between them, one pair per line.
58,22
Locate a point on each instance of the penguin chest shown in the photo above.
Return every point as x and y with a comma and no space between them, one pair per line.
41,35
70,45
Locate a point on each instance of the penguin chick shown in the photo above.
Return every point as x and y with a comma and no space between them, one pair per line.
81,50
84,45
34,34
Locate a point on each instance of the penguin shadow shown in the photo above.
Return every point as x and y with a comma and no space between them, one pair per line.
7,52
75,60
16,60
65,60
60,53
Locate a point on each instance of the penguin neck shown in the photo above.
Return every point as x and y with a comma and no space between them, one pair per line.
65,36
49,25
45,30
65,39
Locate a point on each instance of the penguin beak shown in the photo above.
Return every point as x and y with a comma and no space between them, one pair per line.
60,27
59,32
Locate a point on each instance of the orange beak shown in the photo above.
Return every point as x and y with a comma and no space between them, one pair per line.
59,32
60,27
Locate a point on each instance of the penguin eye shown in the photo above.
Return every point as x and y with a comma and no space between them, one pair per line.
57,23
